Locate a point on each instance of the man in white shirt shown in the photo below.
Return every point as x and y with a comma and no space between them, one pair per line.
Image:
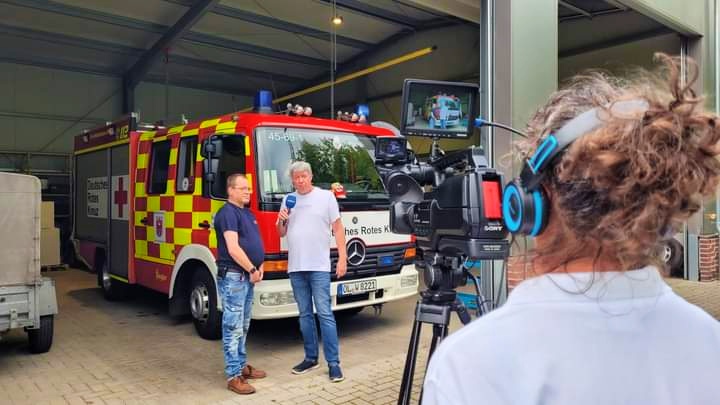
307,227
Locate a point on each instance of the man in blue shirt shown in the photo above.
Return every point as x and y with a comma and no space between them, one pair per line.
240,266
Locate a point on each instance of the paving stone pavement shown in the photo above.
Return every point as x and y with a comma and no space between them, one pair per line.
132,352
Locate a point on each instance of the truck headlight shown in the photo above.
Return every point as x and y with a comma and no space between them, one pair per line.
408,281
272,299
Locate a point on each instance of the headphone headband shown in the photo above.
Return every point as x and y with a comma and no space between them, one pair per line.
533,170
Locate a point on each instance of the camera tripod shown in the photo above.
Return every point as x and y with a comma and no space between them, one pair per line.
434,307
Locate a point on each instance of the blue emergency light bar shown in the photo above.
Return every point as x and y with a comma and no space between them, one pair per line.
263,102
363,109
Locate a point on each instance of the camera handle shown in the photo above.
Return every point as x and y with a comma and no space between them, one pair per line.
434,308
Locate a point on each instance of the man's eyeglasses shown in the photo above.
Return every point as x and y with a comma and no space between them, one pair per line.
242,188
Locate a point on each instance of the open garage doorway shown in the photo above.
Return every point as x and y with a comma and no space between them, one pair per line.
607,35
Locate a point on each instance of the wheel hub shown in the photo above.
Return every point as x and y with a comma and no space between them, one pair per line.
200,303
106,281
667,253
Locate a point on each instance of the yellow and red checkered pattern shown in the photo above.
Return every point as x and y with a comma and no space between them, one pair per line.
187,217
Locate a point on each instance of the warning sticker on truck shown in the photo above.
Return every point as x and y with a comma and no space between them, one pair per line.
97,191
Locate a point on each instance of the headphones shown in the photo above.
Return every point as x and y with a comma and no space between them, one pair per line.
525,205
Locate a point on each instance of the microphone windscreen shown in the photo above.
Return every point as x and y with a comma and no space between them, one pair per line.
290,201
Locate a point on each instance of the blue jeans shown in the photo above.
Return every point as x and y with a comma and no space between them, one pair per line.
309,286
236,292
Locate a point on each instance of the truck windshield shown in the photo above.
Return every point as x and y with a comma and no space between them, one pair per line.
340,161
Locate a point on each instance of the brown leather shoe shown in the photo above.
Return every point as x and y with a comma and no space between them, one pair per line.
251,372
240,386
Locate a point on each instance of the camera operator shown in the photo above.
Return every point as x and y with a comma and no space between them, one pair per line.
597,324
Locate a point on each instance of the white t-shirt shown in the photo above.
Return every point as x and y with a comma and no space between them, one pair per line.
444,112
625,339
308,234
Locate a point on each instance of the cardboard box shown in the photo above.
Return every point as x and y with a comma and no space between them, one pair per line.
47,215
49,246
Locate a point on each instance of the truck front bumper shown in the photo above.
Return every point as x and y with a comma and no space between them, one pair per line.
274,298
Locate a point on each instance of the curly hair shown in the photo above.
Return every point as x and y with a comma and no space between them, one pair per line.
622,188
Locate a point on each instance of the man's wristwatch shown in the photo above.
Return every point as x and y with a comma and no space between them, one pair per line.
252,270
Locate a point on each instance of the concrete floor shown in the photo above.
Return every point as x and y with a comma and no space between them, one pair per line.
133,352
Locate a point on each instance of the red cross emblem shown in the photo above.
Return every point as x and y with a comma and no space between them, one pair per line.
121,197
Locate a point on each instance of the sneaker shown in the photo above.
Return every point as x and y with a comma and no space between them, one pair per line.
305,366
251,372
336,374
240,386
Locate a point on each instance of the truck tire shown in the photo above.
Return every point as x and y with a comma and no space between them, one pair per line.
42,337
203,306
112,289
673,256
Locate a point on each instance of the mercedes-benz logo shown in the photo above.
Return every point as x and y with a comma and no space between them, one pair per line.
356,252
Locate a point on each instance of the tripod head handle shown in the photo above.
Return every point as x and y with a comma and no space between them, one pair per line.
479,298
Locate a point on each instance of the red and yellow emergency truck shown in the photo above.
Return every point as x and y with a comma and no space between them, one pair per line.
145,199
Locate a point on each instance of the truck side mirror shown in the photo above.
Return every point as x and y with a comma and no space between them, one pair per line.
211,147
223,154
211,150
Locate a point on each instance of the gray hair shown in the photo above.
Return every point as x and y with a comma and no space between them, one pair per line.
299,166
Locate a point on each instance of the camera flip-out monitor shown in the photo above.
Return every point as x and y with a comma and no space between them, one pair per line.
391,150
438,109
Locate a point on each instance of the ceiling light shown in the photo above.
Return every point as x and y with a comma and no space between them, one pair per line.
337,20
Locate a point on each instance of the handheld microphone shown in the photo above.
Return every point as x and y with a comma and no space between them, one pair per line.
289,204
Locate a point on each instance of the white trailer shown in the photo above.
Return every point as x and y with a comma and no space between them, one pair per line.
27,299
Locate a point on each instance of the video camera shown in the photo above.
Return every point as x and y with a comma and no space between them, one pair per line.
451,203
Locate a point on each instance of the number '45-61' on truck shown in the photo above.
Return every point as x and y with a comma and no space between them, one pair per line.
145,199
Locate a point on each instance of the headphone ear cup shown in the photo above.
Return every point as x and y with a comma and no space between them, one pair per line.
524,212
513,210
538,208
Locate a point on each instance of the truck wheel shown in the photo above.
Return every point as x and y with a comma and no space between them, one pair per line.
113,290
41,338
203,306
673,258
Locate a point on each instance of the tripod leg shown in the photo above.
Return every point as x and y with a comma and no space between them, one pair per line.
409,371
440,332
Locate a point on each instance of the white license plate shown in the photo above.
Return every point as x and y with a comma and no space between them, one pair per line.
357,287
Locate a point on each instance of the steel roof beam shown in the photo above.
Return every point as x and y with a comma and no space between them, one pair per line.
275,23
141,67
376,13
50,63
103,46
575,8
159,79
615,42
193,37
617,4
77,67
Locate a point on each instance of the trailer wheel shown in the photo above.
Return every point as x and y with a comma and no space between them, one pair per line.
113,289
673,256
203,306
42,337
